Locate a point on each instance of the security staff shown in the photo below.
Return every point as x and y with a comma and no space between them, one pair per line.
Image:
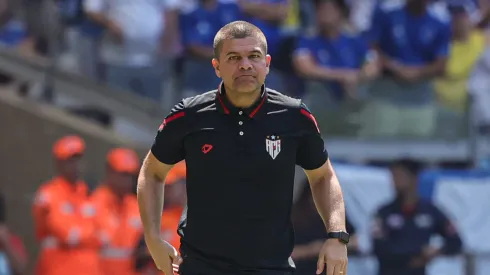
241,143
402,229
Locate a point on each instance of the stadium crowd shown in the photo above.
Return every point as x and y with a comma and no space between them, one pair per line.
406,70
371,63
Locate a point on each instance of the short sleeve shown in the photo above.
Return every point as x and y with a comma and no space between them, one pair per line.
442,42
93,5
168,146
190,31
311,153
303,46
378,20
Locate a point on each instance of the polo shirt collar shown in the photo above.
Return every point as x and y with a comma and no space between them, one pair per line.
226,107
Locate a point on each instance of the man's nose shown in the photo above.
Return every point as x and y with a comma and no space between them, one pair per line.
245,64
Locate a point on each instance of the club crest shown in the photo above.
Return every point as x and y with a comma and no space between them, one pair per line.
273,146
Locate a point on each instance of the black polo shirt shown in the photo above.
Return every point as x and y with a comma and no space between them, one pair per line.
240,175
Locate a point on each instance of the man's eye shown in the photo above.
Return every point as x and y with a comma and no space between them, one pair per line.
255,56
233,57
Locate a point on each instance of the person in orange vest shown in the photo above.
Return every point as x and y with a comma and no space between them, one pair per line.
64,217
174,203
118,213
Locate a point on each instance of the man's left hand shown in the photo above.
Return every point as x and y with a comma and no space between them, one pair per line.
334,255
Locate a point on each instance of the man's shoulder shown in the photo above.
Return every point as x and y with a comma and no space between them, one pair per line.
194,103
277,99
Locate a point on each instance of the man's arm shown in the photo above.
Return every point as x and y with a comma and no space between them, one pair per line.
150,194
445,228
327,195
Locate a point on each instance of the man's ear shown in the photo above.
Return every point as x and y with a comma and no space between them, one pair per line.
268,59
215,63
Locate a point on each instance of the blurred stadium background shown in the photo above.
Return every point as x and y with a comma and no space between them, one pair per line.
109,70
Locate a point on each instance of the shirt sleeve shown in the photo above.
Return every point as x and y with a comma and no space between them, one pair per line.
93,5
168,146
311,153
303,47
442,42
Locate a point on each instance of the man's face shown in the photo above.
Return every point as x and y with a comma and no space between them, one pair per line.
329,14
71,168
243,64
402,179
461,23
121,183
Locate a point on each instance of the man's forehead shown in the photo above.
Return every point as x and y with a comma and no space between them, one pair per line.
242,45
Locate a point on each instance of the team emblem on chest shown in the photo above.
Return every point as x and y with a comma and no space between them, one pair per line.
273,146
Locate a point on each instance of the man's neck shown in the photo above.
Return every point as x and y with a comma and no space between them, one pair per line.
331,32
416,8
463,36
209,4
410,199
242,100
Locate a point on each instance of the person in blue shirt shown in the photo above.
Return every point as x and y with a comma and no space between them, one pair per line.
402,229
412,40
340,59
198,28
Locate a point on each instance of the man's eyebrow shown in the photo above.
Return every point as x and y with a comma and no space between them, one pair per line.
236,53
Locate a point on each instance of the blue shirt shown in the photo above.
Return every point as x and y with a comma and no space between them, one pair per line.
410,39
345,52
13,33
200,25
271,31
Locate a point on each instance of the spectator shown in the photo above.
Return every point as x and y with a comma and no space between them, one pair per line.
13,35
13,256
467,44
64,218
198,29
413,43
333,56
133,41
118,212
402,229
269,16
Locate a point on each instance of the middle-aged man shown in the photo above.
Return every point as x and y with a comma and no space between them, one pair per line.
241,143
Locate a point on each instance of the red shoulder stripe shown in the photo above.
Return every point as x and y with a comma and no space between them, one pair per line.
170,118
310,117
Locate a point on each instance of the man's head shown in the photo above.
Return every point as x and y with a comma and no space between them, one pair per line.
405,175
122,169
330,13
68,152
240,57
461,21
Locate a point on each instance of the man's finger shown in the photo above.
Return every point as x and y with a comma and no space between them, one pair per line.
330,269
338,270
320,265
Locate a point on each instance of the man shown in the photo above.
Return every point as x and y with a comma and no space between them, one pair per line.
402,229
134,33
241,143
117,212
339,59
412,40
64,218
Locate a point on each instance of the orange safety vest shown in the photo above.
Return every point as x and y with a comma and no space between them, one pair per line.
65,226
121,224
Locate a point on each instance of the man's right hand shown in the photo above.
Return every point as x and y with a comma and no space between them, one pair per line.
164,255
